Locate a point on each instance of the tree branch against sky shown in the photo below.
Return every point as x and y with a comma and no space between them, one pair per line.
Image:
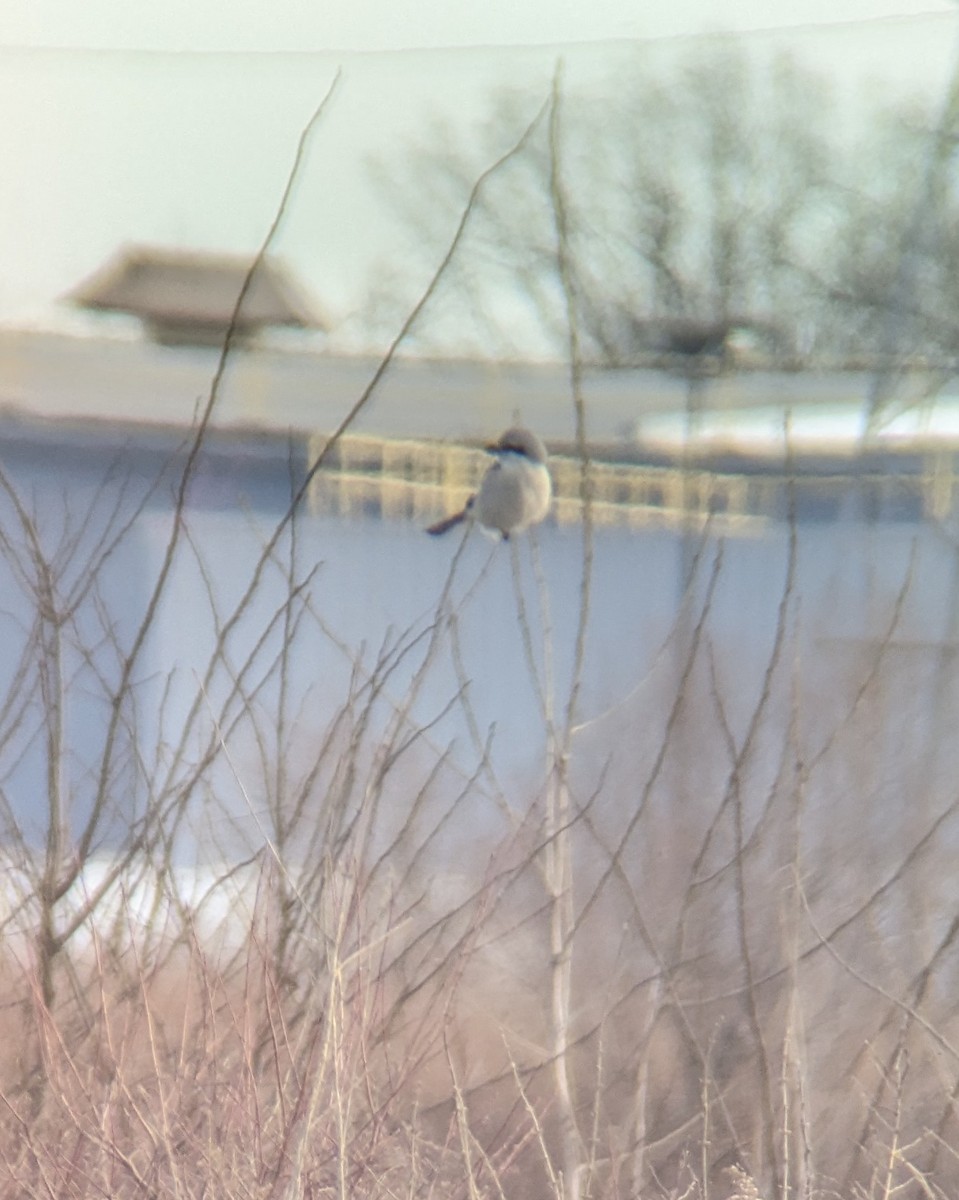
127,132
723,190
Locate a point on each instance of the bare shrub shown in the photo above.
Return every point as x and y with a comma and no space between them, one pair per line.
694,957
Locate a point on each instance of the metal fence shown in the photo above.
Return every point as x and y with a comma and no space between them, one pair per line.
412,480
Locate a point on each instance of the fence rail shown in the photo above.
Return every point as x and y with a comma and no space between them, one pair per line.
417,481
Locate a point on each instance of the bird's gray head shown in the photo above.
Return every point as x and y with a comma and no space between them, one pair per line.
518,440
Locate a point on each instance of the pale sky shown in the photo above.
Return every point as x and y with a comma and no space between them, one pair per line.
192,148
348,25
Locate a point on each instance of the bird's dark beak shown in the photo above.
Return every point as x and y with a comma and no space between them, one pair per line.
492,448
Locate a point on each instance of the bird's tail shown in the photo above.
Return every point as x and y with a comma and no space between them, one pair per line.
447,523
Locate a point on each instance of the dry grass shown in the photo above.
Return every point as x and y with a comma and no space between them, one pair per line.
400,1044
711,955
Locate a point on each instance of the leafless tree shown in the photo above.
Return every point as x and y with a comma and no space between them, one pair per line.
717,202
709,951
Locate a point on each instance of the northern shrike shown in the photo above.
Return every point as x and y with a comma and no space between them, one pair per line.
516,490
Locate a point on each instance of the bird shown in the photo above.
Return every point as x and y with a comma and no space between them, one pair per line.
516,491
